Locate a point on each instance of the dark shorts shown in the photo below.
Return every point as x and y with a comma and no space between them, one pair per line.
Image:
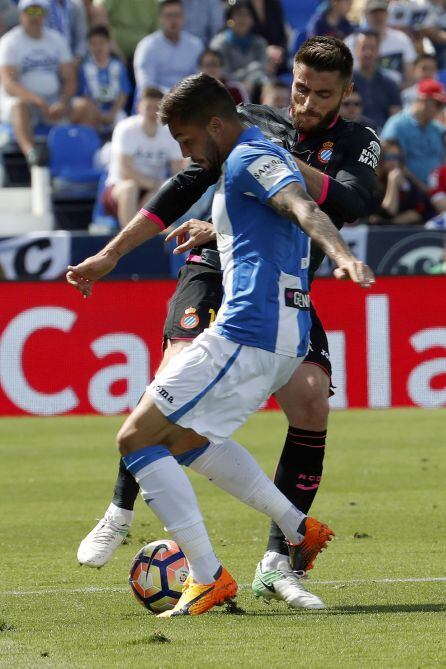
110,203
195,302
197,299
318,354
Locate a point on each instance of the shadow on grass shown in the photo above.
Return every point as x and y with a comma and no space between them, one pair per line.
359,609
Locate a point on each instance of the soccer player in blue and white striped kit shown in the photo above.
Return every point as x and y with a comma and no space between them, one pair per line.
261,213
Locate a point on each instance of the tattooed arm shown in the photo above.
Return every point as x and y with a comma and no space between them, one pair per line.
293,203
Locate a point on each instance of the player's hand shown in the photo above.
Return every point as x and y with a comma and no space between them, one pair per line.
357,271
84,275
191,233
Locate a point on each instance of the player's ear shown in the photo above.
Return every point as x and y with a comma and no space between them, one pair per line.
215,125
348,90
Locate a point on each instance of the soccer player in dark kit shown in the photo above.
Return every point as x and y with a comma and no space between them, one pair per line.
338,160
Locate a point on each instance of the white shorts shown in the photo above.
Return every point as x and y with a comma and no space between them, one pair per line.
213,385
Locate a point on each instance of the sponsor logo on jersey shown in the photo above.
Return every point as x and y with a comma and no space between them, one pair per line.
163,392
190,319
298,299
325,153
370,156
269,170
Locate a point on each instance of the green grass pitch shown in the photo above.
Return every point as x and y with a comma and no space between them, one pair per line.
384,481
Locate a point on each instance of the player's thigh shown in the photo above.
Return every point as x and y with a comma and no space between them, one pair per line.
304,398
194,304
171,349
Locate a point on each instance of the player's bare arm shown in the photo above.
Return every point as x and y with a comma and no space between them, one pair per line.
294,203
192,233
82,276
314,179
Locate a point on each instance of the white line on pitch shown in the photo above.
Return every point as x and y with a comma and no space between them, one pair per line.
86,591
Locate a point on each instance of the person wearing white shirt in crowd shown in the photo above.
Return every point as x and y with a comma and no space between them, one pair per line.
170,53
143,154
396,51
38,79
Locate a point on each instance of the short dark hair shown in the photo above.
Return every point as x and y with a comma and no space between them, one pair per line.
197,99
99,31
326,54
151,92
234,5
211,52
164,3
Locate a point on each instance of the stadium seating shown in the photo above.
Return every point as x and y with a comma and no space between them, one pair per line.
297,12
75,178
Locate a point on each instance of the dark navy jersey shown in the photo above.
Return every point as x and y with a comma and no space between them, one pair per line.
346,152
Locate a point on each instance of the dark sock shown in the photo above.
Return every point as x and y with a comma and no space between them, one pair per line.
126,489
298,475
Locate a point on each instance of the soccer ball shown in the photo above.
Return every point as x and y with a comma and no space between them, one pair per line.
157,575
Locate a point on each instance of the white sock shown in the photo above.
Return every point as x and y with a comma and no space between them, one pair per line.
233,469
272,561
118,515
166,488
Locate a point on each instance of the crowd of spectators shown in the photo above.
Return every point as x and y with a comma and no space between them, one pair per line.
95,62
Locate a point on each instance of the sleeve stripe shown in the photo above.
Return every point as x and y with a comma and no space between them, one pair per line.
153,217
324,193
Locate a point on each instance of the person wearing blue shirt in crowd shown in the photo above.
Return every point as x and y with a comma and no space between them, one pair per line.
332,20
169,54
69,18
417,131
104,81
379,92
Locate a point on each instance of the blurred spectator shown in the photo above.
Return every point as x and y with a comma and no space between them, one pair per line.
69,18
143,153
204,18
103,81
417,131
412,18
380,94
332,20
275,94
352,110
437,192
211,62
437,189
425,67
244,53
405,200
269,22
9,16
129,21
436,27
38,78
169,54
396,51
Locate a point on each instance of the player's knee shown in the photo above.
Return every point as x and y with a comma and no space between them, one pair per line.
314,406
126,441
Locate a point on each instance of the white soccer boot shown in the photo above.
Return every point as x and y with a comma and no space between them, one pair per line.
274,579
100,544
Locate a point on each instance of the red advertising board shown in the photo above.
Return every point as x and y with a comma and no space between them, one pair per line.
62,354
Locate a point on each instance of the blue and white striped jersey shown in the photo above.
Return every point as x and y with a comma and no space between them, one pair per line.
264,256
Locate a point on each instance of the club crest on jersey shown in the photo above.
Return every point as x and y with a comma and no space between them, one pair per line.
325,153
190,319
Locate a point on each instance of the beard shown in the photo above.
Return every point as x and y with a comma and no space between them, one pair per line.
323,121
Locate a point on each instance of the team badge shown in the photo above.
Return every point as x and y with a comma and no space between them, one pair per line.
190,319
325,153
